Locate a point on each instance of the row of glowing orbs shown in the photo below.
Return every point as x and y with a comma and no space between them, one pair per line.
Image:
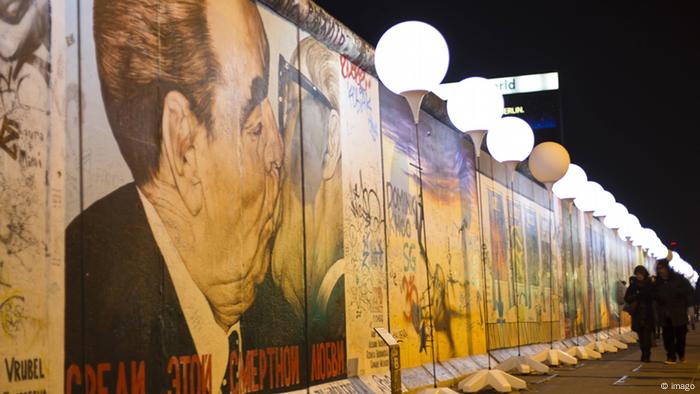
412,59
591,197
682,267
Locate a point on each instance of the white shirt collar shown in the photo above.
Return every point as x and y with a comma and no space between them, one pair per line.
209,338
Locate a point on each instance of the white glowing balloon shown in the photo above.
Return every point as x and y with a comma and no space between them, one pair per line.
587,200
686,270
622,237
660,251
475,105
616,216
679,265
629,226
649,236
568,187
637,237
605,200
510,140
411,56
673,264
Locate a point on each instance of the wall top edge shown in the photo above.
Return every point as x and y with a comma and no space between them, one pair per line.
321,25
316,21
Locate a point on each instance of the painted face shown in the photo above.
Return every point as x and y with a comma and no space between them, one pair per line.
238,161
301,99
21,25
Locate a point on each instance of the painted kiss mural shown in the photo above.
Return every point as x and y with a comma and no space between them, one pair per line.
244,205
160,271
210,287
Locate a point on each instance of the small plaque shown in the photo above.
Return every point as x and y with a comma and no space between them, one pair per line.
386,336
394,358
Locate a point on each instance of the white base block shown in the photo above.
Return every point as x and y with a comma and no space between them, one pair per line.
555,357
439,390
494,378
618,344
523,365
601,347
625,338
582,353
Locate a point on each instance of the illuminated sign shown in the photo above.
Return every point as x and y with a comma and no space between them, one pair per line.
514,110
511,85
533,98
527,83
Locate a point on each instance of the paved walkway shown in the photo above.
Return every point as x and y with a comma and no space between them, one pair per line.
622,372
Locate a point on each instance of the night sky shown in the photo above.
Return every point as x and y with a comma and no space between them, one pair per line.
629,76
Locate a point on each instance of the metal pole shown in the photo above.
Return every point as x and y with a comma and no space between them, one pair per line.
589,262
510,174
425,254
573,265
605,275
619,312
551,270
483,252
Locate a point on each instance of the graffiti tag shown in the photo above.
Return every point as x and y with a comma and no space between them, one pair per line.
351,71
9,132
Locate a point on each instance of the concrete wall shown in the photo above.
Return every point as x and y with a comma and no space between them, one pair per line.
205,195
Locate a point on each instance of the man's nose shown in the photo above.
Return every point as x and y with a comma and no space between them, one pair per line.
274,146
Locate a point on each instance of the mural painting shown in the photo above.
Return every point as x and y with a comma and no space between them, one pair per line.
245,203
24,196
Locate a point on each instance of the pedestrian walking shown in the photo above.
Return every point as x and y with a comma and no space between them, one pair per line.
640,297
674,299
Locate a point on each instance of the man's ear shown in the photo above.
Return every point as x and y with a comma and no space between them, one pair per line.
180,127
332,156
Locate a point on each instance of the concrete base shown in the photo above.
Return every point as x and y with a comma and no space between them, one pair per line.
582,353
625,338
618,344
494,378
601,347
523,365
439,390
628,337
554,357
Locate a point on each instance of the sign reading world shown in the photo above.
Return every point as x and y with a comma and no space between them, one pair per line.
534,98
527,83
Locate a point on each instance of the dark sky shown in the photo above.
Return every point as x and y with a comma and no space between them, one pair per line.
629,75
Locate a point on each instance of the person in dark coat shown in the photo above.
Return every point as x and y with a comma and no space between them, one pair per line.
640,297
674,297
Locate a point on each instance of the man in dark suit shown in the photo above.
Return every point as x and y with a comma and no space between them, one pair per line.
160,272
